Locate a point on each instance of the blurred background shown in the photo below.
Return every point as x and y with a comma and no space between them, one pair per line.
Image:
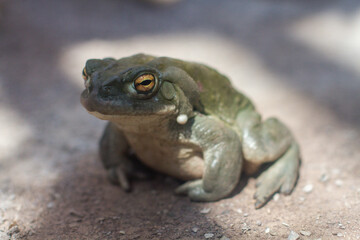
297,60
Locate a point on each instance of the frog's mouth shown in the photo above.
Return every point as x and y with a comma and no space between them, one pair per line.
107,109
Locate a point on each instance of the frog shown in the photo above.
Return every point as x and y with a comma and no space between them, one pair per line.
186,120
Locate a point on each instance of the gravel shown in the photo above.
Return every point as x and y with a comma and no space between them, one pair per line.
293,236
205,210
208,235
308,188
305,233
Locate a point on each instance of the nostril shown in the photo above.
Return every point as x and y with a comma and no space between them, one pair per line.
109,91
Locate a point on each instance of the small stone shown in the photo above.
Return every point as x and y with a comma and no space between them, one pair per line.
267,230
259,223
122,232
285,224
224,238
245,228
293,236
305,233
195,229
341,226
339,234
205,210
208,235
324,178
339,183
308,188
75,214
246,214
50,205
239,210
276,197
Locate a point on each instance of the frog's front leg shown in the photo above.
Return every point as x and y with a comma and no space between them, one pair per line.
269,141
116,158
222,156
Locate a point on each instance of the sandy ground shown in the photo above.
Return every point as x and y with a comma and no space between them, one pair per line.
297,60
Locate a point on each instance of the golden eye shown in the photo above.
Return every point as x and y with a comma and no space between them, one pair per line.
144,83
84,74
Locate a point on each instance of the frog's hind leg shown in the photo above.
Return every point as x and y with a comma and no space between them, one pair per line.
281,176
269,141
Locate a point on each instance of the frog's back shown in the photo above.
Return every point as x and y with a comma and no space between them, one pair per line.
217,95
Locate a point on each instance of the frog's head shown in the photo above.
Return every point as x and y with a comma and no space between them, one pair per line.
116,89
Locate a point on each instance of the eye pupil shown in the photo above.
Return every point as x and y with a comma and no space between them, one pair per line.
146,82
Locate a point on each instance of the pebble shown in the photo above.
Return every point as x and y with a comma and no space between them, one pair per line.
50,205
276,197
338,234
324,177
205,210
122,232
239,210
245,228
308,188
246,214
293,236
305,233
75,214
259,223
195,229
224,238
208,235
285,224
267,230
341,226
339,183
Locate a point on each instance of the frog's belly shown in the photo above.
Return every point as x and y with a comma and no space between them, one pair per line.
183,161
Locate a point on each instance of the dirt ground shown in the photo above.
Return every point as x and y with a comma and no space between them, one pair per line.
297,60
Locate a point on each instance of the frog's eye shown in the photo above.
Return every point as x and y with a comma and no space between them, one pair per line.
84,74
144,83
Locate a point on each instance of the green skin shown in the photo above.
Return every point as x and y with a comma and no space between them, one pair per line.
223,136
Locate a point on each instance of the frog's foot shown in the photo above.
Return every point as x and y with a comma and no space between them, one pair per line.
281,176
117,176
195,191
134,169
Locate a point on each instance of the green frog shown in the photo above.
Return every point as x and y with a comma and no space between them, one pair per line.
185,120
